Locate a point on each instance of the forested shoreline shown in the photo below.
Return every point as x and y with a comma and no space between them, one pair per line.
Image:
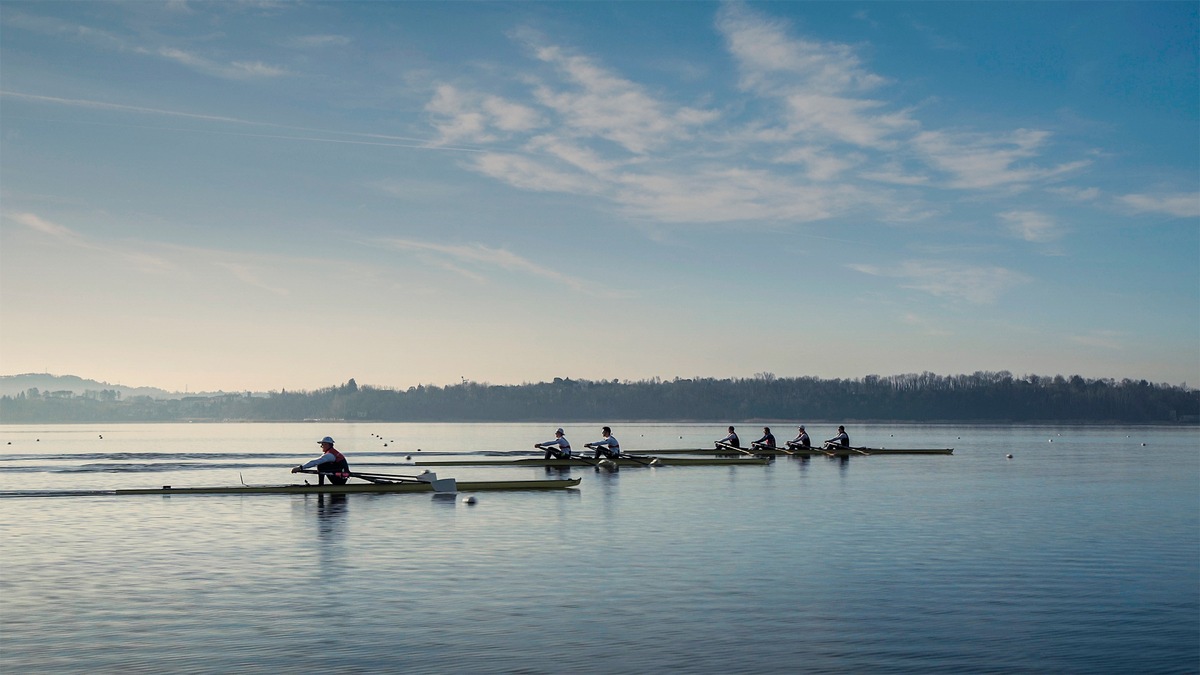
926,397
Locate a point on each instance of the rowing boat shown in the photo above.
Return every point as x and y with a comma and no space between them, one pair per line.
725,452
588,461
354,488
854,450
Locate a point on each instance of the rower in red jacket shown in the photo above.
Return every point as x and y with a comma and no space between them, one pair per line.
332,464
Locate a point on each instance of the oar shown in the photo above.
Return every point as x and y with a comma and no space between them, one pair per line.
594,447
447,485
776,448
589,462
859,451
653,460
438,484
727,446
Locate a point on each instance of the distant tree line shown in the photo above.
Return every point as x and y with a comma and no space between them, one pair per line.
925,397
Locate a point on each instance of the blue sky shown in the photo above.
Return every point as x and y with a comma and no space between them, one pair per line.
267,195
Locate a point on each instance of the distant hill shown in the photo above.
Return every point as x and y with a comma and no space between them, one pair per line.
11,385
925,397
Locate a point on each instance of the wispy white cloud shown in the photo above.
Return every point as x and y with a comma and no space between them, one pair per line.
237,70
469,117
819,83
989,160
925,325
316,41
107,40
816,148
471,259
846,120
1183,205
603,105
63,234
1077,194
722,194
163,259
321,135
821,165
981,284
1031,226
39,224
533,173
1104,339
771,59
251,276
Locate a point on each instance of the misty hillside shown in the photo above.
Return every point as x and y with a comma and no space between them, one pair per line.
11,385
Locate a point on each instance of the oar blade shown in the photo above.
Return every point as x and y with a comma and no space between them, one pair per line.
445,486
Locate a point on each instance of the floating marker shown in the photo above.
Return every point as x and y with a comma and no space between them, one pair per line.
469,500
1008,456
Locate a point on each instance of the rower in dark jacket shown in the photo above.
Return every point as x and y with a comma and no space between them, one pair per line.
801,440
841,440
730,441
767,441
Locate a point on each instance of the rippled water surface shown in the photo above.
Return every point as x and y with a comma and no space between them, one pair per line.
1080,554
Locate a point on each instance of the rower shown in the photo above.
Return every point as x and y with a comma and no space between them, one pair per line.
766,442
801,440
559,448
332,463
730,441
607,446
841,440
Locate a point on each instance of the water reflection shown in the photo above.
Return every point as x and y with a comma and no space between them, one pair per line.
331,534
331,512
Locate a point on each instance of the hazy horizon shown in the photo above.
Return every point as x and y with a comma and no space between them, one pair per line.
384,385
264,196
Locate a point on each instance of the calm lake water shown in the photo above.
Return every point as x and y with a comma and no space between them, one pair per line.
1081,554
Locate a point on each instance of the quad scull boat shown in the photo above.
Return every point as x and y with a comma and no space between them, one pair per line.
729,452
631,460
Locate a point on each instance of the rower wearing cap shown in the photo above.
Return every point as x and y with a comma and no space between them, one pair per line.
607,446
559,448
332,463
767,441
841,440
801,440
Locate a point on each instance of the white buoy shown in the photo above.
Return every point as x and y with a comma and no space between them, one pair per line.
1008,456
1051,440
1143,445
469,500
